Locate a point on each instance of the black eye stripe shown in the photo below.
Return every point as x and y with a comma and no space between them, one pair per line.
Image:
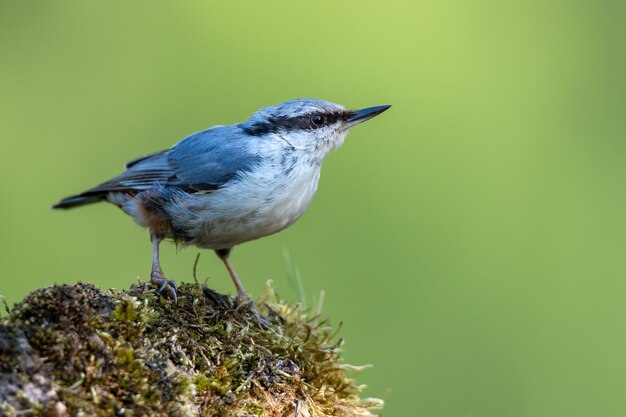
290,124
306,121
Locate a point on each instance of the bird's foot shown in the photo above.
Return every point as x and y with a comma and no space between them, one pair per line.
244,299
167,285
248,304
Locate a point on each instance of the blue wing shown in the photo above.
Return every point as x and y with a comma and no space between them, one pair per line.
201,162
207,160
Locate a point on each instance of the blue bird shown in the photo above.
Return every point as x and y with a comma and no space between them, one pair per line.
229,184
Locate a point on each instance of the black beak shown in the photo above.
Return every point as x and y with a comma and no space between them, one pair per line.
359,116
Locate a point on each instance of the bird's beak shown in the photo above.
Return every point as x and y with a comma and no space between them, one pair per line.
359,116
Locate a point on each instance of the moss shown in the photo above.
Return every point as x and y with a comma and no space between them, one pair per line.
76,350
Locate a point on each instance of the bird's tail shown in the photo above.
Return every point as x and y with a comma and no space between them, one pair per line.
80,200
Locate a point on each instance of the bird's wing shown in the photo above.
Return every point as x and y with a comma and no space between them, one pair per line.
201,162
207,160
141,174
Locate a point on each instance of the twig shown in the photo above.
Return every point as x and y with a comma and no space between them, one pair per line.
6,305
293,273
318,308
195,266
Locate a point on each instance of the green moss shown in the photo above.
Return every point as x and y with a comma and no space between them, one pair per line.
76,350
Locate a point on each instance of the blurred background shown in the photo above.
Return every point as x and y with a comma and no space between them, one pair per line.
472,239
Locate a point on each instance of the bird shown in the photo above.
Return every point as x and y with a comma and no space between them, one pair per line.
229,184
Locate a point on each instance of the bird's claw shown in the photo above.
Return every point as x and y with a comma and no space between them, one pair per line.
248,304
167,285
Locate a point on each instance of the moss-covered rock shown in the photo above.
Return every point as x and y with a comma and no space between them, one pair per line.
77,350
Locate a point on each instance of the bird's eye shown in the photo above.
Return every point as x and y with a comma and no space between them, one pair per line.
317,120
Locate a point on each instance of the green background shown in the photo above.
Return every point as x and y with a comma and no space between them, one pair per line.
472,239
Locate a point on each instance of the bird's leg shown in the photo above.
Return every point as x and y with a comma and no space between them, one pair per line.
242,294
157,276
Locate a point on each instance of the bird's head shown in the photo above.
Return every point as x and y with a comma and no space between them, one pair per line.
313,126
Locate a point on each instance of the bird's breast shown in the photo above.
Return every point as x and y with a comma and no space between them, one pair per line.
256,204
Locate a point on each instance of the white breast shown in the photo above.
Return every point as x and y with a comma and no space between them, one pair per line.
258,204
